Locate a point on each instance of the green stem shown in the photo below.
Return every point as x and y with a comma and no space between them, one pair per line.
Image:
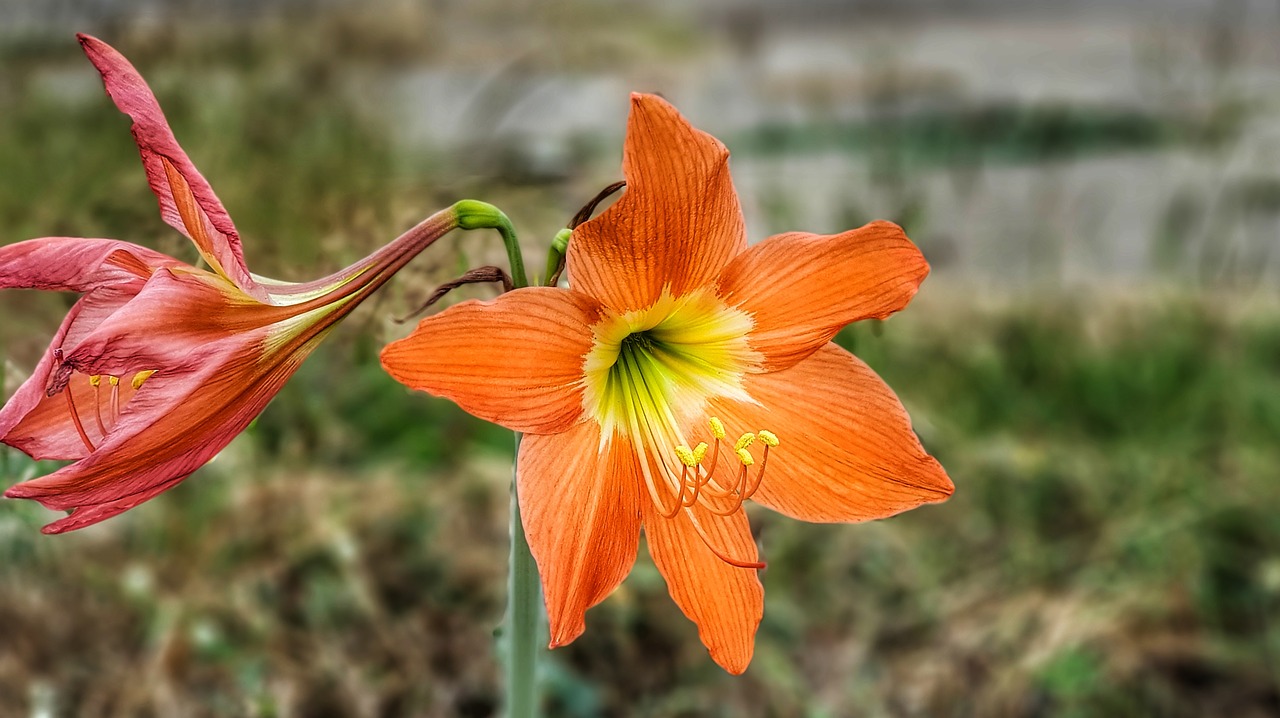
524,618
555,255
524,598
474,214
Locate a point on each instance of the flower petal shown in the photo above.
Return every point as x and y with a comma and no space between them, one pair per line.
47,431
847,450
580,503
803,288
726,602
39,424
187,202
516,360
72,264
95,513
175,313
677,224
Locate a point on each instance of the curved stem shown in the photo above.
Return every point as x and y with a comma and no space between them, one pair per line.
473,214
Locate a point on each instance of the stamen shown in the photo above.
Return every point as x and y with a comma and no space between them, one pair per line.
702,534
693,495
744,485
699,451
95,381
115,398
769,439
764,461
739,491
75,419
715,463
141,377
679,497
717,428
686,456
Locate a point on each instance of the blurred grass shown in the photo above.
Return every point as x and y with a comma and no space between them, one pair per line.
1112,548
1002,132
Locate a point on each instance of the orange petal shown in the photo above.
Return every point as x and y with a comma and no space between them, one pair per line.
802,288
515,360
847,451
580,503
677,224
725,602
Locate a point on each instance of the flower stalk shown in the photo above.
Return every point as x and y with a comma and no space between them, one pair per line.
524,617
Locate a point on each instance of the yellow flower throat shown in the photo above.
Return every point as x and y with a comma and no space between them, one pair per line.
649,378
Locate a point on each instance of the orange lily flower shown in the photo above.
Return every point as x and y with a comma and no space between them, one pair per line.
160,364
672,333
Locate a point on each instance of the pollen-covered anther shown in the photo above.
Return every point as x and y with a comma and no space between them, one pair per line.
700,452
687,456
697,484
115,398
95,381
717,428
141,377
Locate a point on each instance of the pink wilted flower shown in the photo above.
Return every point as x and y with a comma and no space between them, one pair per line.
160,364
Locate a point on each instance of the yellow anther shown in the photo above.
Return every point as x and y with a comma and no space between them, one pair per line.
744,441
766,437
686,456
115,380
700,451
745,457
95,381
717,429
141,377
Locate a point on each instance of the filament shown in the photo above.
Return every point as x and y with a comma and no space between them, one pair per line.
96,382
702,534
115,399
75,419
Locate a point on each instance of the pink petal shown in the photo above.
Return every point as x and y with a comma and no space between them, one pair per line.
173,314
92,514
187,202
72,264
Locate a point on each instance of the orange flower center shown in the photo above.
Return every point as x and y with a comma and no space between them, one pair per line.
649,377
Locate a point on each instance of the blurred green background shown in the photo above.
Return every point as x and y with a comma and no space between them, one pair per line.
1095,359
